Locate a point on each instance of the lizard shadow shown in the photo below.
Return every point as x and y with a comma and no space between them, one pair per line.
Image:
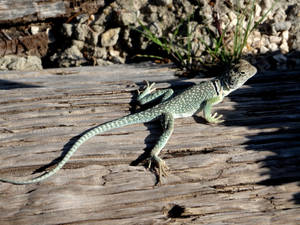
9,85
271,105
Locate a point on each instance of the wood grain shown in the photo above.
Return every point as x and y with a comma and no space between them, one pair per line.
16,11
245,171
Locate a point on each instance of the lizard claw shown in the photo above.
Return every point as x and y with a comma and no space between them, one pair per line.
147,89
215,118
161,166
149,86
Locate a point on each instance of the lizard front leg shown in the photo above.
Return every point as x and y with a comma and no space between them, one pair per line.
150,94
168,126
215,118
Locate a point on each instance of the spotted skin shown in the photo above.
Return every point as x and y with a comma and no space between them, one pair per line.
199,97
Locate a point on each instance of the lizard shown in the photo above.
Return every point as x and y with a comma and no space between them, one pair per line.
199,97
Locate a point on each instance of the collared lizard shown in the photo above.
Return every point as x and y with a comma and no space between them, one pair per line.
199,97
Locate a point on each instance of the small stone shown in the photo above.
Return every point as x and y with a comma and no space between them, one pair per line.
78,44
263,50
256,43
273,47
118,59
282,26
264,40
128,18
73,53
82,31
156,29
100,53
257,11
13,62
267,4
110,37
101,62
285,35
256,33
94,38
284,47
275,39
97,28
279,15
68,29
34,30
113,52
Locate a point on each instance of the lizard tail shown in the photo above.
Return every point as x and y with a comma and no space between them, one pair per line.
141,117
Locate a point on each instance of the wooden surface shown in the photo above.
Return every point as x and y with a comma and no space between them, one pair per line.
15,11
244,171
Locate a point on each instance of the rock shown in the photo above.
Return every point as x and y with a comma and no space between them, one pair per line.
74,52
156,29
110,37
78,44
281,26
113,52
273,47
13,62
67,29
81,32
101,62
93,40
100,34
258,11
97,28
34,30
294,17
285,35
279,15
275,39
100,53
263,50
117,59
284,47
127,18
70,57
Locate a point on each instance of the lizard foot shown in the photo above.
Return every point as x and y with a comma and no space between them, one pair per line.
215,118
147,90
161,166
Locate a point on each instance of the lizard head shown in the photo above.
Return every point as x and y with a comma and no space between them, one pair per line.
238,75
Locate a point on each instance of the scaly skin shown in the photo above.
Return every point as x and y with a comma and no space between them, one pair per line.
199,97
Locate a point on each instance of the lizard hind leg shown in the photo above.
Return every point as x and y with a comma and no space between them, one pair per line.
168,127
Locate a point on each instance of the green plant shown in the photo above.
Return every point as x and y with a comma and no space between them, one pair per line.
176,50
179,49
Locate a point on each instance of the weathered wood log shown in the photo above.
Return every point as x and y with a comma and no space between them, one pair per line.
16,11
245,171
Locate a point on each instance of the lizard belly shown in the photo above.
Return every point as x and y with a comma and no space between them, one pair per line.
184,114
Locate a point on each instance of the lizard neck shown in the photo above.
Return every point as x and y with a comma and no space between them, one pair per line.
225,86
221,87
